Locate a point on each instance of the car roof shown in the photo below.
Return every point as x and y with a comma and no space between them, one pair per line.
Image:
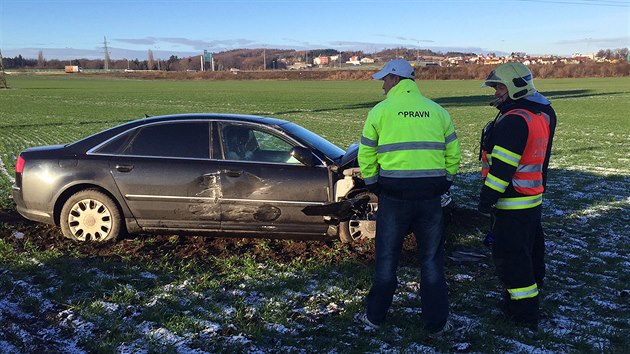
227,116
318,143
108,133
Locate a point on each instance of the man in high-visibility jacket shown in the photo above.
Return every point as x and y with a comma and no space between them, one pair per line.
515,151
409,155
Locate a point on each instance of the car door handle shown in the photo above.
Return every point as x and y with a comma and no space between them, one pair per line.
233,173
124,168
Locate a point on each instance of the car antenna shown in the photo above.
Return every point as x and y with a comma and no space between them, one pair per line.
146,115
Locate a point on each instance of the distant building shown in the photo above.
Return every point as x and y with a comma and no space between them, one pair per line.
421,64
321,60
354,60
298,65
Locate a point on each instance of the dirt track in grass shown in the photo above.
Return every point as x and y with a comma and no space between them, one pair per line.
15,230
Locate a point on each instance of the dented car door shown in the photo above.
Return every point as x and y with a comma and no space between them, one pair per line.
264,188
186,197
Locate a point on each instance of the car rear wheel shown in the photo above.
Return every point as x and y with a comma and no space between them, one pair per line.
360,226
90,216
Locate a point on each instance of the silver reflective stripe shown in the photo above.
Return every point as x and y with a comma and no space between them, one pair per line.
529,168
527,183
523,113
369,142
547,118
410,146
450,138
496,152
450,177
499,186
413,173
371,180
508,203
523,294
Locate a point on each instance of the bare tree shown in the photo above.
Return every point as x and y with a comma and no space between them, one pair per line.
41,62
150,60
3,79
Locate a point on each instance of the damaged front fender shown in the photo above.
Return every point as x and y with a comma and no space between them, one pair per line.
341,211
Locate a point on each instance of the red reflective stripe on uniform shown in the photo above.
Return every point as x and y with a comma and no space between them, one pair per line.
527,179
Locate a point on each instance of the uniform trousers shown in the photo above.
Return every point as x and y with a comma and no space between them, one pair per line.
518,254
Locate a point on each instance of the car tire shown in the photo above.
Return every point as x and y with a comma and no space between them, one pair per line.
364,227
90,216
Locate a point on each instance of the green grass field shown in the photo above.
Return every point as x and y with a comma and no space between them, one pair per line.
234,304
593,125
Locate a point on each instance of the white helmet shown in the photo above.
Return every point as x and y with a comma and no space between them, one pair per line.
515,76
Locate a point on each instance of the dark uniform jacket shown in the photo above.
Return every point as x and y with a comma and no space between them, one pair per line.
512,134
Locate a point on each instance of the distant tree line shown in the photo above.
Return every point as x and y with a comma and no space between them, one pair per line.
243,59
540,71
20,62
275,59
621,53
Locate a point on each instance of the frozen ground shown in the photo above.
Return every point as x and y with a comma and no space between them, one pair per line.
277,307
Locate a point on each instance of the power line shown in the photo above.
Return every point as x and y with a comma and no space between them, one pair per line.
608,3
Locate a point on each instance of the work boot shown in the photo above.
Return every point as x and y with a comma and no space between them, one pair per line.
448,327
363,319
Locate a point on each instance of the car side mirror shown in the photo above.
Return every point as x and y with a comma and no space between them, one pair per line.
304,155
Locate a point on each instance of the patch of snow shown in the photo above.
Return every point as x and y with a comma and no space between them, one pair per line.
237,339
9,348
148,275
68,319
462,277
108,307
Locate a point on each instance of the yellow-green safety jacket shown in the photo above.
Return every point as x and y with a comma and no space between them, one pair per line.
408,137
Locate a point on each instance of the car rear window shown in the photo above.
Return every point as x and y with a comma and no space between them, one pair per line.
173,139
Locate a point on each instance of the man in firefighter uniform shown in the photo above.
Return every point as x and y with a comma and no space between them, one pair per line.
409,155
515,151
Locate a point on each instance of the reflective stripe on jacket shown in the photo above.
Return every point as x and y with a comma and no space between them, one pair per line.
408,136
523,293
527,179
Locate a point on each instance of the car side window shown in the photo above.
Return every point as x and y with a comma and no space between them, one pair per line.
246,143
178,139
116,145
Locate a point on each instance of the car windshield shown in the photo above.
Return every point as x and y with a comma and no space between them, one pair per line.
331,150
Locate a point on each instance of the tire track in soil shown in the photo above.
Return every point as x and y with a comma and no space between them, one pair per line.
199,248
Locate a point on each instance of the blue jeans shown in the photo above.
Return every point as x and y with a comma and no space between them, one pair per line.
395,219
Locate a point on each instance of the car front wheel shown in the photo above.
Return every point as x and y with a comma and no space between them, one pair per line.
90,216
360,226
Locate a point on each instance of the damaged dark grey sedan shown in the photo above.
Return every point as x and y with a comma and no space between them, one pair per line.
197,174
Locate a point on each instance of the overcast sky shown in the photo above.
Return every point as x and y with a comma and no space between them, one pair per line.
67,29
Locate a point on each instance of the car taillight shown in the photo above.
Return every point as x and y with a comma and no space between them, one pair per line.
19,164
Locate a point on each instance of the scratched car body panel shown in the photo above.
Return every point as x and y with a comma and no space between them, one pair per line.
192,173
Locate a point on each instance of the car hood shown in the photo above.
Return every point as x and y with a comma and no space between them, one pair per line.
349,159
